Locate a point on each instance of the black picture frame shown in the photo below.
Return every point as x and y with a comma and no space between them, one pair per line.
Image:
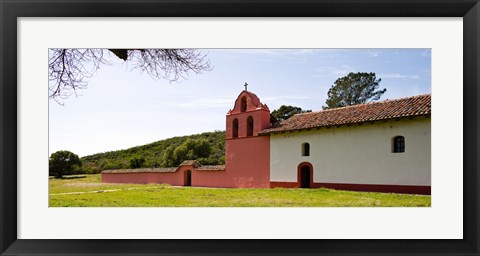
10,10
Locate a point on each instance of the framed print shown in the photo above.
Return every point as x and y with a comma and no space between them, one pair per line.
446,32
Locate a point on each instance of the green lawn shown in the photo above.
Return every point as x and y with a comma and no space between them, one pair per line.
90,192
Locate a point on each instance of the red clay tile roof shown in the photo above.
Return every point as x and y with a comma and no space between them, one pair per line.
142,170
211,168
194,163
390,109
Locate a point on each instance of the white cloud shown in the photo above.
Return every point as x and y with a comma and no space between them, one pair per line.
343,70
373,53
398,76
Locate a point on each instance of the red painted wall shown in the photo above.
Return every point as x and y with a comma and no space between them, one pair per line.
248,162
214,179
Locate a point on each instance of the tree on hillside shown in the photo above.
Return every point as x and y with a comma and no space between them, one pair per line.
63,163
191,149
136,162
285,112
155,153
355,88
68,68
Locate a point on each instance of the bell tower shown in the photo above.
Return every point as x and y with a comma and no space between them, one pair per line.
247,155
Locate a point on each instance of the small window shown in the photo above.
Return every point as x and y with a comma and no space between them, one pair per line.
399,144
250,126
243,105
305,149
235,128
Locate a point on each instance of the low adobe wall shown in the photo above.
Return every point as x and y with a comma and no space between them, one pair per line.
178,178
172,178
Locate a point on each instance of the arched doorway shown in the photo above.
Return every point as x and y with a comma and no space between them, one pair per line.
305,175
188,178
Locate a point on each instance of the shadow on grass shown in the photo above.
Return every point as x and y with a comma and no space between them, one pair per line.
68,177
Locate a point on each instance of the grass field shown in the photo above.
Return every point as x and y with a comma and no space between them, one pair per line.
88,191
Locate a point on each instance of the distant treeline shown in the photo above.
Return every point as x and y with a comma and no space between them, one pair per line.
208,148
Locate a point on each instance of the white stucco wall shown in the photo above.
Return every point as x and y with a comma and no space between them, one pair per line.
359,154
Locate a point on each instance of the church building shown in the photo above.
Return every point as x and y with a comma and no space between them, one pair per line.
380,146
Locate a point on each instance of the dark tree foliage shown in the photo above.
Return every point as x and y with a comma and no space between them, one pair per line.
69,68
355,88
285,112
136,162
63,163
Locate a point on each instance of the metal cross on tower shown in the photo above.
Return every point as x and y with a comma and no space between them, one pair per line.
245,86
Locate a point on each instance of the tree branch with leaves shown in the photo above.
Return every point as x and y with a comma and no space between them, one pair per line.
70,68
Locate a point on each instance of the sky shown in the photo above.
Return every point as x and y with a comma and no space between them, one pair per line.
123,108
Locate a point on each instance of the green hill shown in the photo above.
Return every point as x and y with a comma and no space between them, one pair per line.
208,148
